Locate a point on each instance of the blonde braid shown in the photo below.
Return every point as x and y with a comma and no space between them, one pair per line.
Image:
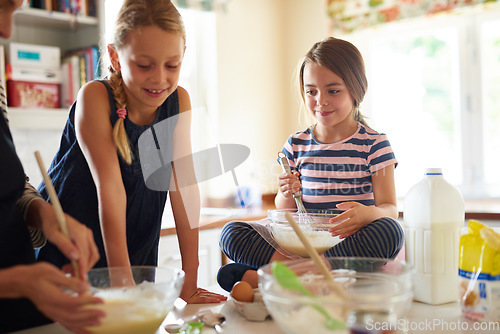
119,134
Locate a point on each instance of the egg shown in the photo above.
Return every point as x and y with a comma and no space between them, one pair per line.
242,291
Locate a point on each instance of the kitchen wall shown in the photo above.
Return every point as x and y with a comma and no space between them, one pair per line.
260,43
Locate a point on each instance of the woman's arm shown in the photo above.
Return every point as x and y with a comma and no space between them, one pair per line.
46,287
30,194
42,224
94,134
80,247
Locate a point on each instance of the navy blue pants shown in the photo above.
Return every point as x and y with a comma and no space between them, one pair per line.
382,238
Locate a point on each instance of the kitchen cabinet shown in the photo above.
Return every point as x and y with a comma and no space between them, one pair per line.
210,256
66,31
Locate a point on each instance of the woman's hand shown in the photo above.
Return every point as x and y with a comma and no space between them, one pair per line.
289,184
202,296
355,217
80,248
43,284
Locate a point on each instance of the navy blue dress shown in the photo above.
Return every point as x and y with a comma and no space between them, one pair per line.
77,192
15,243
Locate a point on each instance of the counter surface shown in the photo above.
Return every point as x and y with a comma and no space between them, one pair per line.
422,318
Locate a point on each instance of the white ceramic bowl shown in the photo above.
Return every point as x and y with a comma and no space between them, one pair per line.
379,293
134,308
314,224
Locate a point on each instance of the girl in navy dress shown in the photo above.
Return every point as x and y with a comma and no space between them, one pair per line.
97,171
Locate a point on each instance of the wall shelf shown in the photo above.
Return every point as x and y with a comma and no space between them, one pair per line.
39,17
51,28
37,118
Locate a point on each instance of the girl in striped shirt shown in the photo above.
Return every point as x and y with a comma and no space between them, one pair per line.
337,163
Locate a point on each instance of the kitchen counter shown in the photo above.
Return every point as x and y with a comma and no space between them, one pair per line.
216,217
422,318
485,210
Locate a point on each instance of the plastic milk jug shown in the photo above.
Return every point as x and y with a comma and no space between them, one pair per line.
433,218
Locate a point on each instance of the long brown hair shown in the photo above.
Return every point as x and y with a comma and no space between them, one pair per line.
132,15
343,59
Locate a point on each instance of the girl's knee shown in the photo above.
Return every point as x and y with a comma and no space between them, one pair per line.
232,236
393,233
382,238
233,229
394,229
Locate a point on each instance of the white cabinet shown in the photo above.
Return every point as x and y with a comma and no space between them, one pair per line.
210,256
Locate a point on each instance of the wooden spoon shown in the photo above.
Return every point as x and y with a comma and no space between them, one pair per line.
313,254
54,200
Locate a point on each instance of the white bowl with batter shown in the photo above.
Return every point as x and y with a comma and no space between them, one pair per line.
136,299
314,224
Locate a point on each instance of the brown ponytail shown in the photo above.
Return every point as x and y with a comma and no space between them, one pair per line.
358,116
119,135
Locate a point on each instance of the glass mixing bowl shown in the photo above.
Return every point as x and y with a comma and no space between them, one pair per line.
138,307
378,294
314,224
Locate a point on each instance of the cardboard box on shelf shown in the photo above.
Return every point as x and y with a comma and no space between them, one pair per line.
34,74
24,94
33,55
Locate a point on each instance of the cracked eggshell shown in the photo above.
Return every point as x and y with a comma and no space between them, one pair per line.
254,311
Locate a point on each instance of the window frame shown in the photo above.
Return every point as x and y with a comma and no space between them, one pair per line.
468,24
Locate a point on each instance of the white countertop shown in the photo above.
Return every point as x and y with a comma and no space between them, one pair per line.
422,318
234,322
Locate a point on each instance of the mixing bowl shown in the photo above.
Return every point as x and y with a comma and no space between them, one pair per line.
136,299
378,294
315,224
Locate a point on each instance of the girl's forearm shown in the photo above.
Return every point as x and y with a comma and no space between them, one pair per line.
387,210
115,244
188,245
112,213
186,209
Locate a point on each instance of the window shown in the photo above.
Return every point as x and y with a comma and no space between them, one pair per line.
433,88
490,98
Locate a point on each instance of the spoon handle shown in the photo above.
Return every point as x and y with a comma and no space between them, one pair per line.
54,200
315,256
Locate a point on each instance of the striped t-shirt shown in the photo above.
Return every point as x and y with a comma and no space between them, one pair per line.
333,173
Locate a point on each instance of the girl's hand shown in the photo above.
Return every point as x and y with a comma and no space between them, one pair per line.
289,184
43,284
202,296
355,217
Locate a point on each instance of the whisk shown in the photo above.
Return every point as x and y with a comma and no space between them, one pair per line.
297,196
